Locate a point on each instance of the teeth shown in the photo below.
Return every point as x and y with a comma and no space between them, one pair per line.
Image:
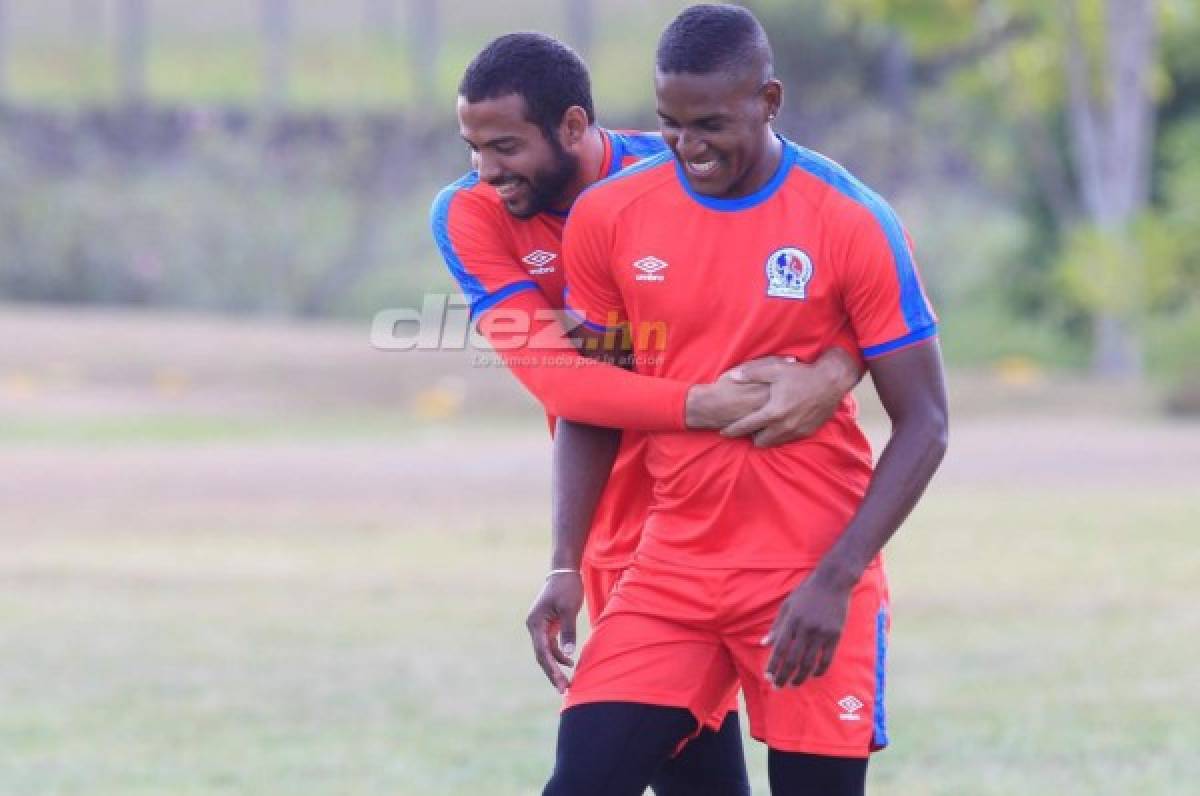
702,168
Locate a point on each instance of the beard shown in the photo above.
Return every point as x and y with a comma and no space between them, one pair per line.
547,186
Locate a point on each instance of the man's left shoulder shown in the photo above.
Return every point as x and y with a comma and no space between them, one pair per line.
844,197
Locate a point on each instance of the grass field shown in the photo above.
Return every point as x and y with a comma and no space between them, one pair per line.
247,559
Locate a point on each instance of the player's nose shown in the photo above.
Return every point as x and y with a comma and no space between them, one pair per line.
689,145
489,168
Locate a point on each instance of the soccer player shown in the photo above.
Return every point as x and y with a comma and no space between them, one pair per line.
755,566
525,111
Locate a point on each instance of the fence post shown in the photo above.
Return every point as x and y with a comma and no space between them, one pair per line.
379,20
276,31
131,51
424,34
3,53
581,29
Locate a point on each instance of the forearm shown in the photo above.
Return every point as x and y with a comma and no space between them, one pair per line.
594,393
583,457
578,388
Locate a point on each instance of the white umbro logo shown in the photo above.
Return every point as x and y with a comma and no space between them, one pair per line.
539,261
850,706
649,267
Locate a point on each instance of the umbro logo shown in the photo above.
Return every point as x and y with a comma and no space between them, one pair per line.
539,261
649,268
850,706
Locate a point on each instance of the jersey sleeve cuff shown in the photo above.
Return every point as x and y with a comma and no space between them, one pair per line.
910,339
490,300
580,317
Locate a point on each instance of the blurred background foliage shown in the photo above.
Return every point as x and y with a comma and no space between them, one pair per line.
279,156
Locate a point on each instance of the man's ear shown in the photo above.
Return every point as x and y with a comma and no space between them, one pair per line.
773,97
573,127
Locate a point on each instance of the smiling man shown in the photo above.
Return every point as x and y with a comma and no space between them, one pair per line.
525,112
759,567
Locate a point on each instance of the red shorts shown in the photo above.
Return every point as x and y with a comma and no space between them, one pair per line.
685,637
598,587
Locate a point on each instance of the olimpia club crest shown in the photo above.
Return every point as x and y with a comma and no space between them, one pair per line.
788,273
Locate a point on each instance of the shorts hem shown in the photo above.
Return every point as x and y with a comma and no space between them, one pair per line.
807,747
703,718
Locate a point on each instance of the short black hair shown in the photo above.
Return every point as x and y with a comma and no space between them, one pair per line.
546,73
712,38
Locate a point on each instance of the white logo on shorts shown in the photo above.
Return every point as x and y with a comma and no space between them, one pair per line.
850,706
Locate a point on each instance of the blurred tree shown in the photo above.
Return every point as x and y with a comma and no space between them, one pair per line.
1081,67
424,37
132,25
1110,112
276,32
581,26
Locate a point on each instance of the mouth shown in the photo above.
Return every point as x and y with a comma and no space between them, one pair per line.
510,190
702,169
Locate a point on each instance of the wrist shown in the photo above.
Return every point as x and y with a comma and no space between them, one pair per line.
695,406
839,369
567,571
566,560
836,575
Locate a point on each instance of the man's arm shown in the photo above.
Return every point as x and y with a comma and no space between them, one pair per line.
537,350
583,457
912,389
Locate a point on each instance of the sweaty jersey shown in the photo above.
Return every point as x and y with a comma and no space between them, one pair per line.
700,284
495,256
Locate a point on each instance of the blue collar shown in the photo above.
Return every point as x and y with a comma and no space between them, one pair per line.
786,160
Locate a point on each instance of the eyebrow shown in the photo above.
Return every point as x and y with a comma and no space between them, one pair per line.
505,139
713,117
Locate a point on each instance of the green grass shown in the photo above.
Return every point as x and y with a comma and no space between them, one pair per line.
1044,643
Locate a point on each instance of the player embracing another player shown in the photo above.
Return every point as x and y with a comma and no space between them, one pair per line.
525,112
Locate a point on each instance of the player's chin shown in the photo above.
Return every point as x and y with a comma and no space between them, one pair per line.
521,208
716,184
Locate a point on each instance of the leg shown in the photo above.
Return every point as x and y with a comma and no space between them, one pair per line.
711,764
614,748
799,774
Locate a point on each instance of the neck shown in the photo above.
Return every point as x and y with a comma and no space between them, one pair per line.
762,171
591,159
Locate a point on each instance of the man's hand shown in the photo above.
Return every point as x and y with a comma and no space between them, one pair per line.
554,613
714,406
806,631
802,397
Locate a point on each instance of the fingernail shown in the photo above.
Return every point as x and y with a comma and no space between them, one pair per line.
569,649
765,641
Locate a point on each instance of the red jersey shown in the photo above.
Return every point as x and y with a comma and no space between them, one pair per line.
703,284
499,259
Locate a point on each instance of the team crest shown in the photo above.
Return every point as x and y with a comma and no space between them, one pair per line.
788,273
